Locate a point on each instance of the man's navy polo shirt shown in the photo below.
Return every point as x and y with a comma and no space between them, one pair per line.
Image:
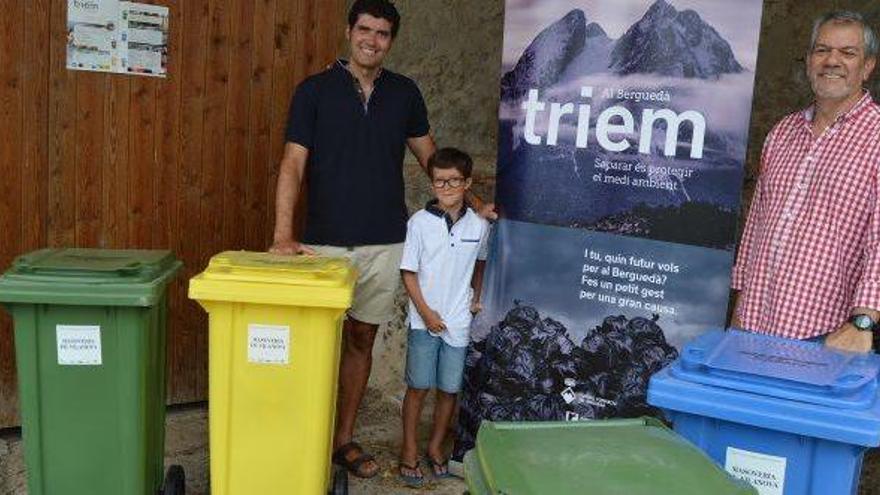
355,167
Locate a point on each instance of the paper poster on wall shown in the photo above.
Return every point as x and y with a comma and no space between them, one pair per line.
145,37
623,127
118,37
93,35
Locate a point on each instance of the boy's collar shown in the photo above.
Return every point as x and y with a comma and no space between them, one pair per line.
433,207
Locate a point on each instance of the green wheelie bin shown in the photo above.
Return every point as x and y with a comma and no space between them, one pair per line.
90,353
612,457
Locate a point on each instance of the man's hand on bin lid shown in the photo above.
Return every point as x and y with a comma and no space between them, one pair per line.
850,338
290,247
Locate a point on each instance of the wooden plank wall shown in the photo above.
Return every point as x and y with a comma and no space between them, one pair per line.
186,163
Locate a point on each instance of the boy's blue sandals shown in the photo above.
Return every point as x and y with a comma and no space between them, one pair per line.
410,480
439,469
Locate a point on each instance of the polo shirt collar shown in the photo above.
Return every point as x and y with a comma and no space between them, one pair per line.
343,64
433,207
356,83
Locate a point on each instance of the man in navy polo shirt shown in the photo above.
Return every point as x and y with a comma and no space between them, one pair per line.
346,136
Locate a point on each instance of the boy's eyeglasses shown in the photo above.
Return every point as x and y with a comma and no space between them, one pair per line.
453,182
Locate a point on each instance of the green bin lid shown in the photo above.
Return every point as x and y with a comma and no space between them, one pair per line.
631,456
89,277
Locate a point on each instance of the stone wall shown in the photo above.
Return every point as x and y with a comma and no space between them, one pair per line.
781,85
452,48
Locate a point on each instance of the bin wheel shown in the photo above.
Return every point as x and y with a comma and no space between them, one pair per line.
340,481
175,481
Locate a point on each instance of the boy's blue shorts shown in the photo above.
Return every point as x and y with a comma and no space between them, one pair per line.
432,363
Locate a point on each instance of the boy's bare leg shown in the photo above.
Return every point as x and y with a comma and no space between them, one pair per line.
354,372
413,402
443,411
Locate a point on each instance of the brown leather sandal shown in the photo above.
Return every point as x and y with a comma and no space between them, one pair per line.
340,457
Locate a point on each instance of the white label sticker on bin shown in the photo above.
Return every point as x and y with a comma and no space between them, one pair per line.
78,345
764,472
268,344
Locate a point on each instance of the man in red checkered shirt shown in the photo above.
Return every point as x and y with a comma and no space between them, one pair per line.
808,264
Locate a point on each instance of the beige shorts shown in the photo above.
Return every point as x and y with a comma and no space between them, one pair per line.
378,278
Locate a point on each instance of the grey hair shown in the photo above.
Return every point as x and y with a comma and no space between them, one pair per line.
848,16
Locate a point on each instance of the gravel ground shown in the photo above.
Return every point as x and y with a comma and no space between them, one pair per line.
187,445
378,432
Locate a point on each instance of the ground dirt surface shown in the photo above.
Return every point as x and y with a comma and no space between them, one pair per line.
378,432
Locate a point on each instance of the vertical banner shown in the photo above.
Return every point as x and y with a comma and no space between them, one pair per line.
623,127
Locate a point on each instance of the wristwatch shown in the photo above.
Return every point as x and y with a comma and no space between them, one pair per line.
862,322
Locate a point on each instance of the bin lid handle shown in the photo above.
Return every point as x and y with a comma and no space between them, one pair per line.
804,371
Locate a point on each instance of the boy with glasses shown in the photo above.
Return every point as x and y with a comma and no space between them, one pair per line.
442,269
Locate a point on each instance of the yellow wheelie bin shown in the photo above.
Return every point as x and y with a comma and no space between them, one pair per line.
274,339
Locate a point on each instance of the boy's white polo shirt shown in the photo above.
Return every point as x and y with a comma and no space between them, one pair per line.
443,255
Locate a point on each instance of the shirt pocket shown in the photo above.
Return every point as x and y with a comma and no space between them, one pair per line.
840,193
468,243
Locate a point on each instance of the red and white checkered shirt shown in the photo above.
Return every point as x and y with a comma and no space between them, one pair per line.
810,252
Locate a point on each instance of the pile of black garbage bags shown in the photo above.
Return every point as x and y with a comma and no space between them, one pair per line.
528,369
